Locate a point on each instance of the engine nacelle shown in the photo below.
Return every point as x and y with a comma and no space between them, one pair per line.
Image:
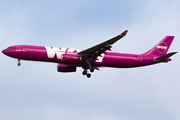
65,68
71,58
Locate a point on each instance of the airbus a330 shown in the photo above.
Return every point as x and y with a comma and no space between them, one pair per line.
92,58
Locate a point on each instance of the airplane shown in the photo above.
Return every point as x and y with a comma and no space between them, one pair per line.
92,58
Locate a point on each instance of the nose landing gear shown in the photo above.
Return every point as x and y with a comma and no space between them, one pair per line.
19,63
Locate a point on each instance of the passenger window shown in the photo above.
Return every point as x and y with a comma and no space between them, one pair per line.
9,48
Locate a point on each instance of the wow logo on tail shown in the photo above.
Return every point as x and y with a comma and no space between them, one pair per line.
162,47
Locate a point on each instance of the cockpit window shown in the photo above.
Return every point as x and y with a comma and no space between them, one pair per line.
9,48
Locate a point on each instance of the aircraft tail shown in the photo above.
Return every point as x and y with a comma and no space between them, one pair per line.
162,47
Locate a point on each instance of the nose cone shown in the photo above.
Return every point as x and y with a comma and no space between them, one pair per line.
7,52
4,51
10,51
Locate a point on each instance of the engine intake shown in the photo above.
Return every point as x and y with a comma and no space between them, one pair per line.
65,68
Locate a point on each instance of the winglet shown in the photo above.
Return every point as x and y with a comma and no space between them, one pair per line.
164,57
124,33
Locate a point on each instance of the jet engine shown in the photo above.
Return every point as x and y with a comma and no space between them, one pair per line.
65,68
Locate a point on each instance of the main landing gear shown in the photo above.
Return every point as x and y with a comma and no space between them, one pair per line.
19,63
85,72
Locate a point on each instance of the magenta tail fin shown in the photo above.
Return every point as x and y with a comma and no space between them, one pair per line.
162,47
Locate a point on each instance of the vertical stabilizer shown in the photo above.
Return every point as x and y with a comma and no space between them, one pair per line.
162,47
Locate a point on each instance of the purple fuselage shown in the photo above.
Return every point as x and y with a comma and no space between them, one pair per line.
69,57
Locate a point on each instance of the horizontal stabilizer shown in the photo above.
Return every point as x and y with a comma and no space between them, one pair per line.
164,57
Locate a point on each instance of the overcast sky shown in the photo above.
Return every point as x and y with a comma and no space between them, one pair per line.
37,91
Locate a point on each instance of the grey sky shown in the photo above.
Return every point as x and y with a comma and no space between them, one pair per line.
37,91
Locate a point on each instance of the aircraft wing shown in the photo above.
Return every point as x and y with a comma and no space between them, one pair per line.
95,51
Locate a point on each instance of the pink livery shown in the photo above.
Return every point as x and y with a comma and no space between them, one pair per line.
92,58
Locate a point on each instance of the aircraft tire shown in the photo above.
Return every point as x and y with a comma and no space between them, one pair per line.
84,72
19,64
88,75
92,69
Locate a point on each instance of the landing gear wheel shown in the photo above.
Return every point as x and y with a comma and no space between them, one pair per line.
84,72
19,64
92,69
88,75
